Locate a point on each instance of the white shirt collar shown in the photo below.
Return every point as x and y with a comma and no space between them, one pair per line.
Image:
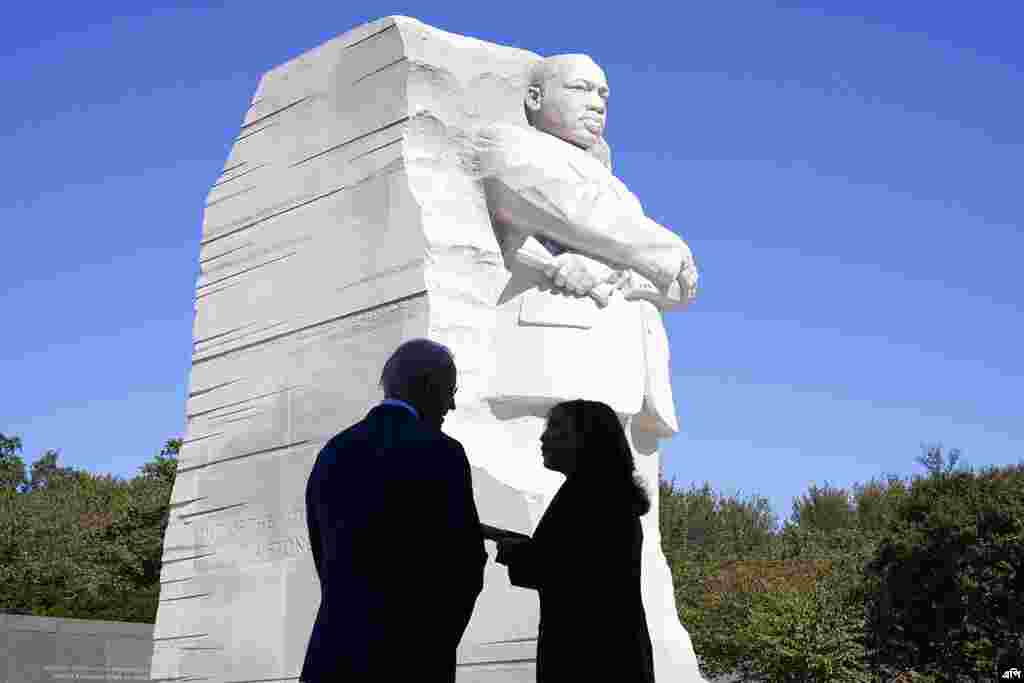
399,402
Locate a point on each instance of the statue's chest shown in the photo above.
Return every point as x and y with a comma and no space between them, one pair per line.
586,169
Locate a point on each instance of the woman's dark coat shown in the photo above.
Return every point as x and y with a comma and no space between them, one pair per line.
584,561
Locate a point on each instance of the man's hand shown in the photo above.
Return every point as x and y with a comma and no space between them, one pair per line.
577,273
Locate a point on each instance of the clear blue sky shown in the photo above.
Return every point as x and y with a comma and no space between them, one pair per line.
848,176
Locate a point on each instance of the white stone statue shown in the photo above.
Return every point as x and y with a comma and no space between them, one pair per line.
383,186
591,273
551,182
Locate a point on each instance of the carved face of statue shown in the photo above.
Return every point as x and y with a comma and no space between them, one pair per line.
560,443
572,103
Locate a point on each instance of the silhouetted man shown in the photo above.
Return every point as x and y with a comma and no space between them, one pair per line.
394,533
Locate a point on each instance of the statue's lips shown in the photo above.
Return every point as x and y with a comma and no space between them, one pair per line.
591,122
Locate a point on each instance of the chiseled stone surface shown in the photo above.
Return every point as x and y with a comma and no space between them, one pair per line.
46,649
350,217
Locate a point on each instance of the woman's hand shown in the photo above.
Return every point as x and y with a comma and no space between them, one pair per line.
507,546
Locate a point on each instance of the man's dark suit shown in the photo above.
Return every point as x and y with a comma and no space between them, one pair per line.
396,540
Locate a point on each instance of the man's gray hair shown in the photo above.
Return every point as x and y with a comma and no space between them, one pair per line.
411,361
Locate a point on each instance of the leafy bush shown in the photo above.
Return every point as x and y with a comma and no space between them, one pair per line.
84,546
947,582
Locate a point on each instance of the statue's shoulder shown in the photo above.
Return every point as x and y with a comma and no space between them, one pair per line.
504,133
506,138
502,147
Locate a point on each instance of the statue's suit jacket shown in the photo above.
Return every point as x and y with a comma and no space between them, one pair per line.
553,346
396,542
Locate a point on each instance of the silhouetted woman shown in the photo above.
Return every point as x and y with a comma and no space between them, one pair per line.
584,557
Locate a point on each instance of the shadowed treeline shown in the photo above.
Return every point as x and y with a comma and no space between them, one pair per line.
80,545
920,578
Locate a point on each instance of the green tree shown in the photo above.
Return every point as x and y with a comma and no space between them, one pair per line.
937,461
947,581
815,635
876,503
138,535
48,569
789,607
800,616
699,524
826,508
163,467
921,579
705,535
86,546
12,467
47,473
701,530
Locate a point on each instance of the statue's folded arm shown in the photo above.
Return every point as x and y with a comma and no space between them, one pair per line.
529,188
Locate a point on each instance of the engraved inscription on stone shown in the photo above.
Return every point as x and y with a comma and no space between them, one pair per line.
252,539
285,547
212,533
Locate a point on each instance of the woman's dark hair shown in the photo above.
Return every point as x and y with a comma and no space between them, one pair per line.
604,452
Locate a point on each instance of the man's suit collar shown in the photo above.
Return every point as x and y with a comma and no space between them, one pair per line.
391,412
401,403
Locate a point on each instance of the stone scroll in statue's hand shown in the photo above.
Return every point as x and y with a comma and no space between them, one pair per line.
533,254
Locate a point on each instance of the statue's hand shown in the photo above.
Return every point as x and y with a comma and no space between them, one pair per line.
634,286
577,273
688,276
